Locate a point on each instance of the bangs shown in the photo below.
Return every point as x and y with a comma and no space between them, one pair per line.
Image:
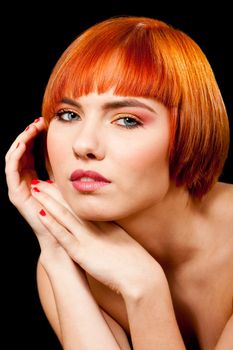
130,66
136,56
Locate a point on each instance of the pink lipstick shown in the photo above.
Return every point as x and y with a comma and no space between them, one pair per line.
88,180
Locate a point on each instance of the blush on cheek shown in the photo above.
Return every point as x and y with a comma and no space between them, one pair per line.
142,158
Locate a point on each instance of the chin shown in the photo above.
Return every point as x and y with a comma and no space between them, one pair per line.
98,211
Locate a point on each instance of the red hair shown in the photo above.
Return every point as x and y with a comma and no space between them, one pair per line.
145,57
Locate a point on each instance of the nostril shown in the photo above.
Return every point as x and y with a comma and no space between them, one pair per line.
91,155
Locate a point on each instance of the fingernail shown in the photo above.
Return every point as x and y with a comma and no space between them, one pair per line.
35,182
37,120
17,145
42,212
35,189
49,181
27,127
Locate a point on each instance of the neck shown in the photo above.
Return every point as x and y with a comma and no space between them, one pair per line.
169,230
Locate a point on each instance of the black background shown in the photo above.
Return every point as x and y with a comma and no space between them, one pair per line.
33,38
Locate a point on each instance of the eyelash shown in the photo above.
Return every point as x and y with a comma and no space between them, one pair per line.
137,125
59,116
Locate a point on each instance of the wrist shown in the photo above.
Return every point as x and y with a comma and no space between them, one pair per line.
152,280
51,254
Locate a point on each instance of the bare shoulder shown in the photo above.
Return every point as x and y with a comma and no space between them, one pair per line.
218,205
217,209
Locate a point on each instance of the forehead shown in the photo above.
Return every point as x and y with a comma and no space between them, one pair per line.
109,100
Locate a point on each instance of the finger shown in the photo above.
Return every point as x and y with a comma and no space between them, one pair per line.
12,166
57,210
18,184
17,150
69,242
27,135
52,190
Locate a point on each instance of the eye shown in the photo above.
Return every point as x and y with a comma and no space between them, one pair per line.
67,115
128,122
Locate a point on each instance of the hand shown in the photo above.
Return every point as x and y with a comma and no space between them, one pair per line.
20,172
103,249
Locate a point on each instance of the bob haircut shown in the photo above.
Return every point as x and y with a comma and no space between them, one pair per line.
138,56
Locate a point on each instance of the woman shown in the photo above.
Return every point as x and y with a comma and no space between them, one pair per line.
134,228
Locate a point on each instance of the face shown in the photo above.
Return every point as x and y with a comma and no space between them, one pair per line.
109,154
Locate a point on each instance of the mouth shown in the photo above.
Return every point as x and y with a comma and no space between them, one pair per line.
88,180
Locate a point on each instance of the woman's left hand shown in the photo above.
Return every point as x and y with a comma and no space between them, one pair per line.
102,249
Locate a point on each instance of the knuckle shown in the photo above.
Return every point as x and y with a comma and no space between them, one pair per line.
7,160
12,197
6,157
7,169
75,252
64,212
65,238
69,243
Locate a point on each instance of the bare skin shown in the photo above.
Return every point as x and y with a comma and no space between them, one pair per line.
202,286
193,268
202,292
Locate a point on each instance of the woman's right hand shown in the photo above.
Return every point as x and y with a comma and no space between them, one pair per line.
20,171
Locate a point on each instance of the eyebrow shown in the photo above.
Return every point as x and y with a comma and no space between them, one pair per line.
132,102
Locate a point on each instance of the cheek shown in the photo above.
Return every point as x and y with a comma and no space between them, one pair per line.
52,147
146,155
57,151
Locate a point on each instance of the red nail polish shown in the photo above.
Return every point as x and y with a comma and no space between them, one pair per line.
35,189
42,212
35,181
37,120
27,127
49,181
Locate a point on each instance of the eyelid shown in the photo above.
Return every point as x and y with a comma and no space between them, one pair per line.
123,116
140,114
128,115
58,114
66,110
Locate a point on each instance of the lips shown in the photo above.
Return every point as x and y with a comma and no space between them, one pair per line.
77,175
88,180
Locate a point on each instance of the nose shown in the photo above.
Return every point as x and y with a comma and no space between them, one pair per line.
88,143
